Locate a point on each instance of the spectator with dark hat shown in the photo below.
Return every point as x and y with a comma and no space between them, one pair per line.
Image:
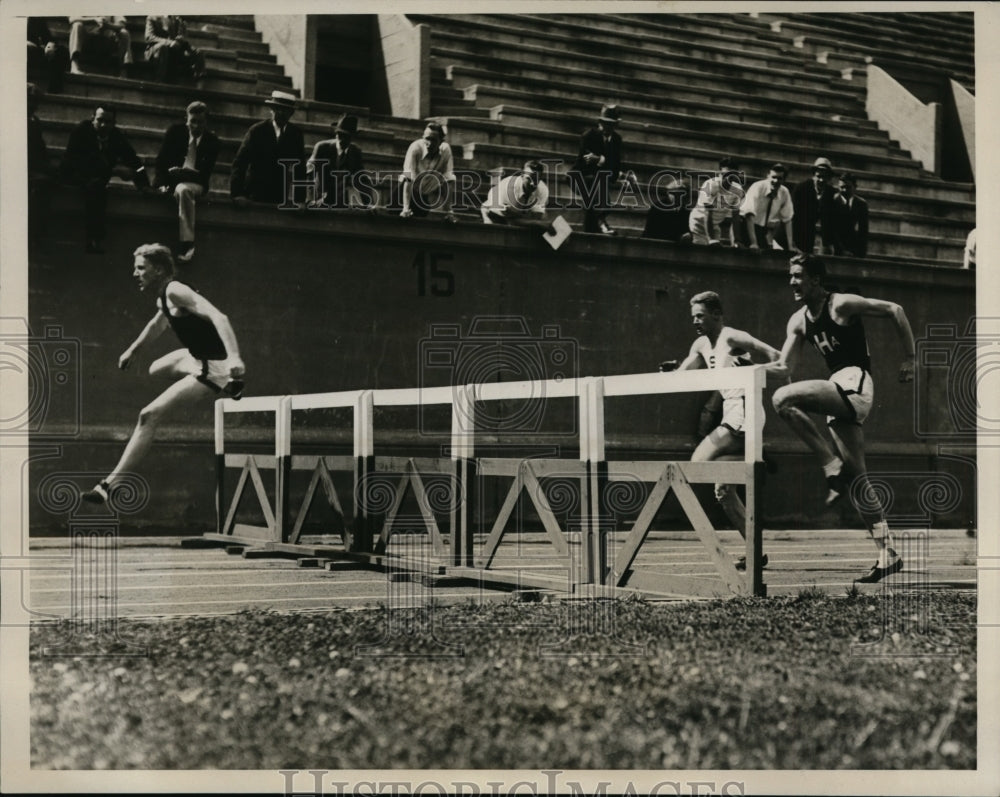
258,175
851,219
813,201
598,164
335,165
184,167
98,150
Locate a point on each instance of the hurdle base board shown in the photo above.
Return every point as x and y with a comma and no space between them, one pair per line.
514,578
300,549
204,542
380,561
653,583
241,534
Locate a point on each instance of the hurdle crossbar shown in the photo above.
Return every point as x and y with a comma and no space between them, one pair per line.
598,565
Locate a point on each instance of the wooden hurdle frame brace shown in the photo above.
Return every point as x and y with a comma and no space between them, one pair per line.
367,539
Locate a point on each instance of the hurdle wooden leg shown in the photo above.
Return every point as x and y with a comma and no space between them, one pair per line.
220,468
363,534
461,545
595,557
753,530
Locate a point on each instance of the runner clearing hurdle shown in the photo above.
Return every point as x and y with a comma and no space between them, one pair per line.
208,365
719,346
832,323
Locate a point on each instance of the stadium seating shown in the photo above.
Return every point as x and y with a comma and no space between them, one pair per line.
760,88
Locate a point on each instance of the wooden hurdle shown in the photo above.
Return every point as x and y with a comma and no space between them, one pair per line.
591,563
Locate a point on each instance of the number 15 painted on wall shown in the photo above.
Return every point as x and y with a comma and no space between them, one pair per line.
430,274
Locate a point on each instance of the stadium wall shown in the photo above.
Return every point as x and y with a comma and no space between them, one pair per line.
325,301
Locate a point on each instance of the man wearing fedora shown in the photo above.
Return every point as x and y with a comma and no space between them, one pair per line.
184,167
813,201
257,174
335,165
598,164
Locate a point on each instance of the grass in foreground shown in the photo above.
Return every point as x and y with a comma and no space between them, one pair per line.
810,682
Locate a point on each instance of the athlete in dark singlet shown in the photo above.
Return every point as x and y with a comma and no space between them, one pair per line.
208,365
831,322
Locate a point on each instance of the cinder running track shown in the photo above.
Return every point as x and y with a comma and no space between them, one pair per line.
156,577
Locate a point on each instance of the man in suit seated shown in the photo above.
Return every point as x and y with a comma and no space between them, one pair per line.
850,219
258,175
184,166
100,40
170,53
98,150
335,165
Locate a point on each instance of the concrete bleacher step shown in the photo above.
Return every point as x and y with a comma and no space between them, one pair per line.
484,39
693,115
511,125
816,36
530,60
718,29
728,135
479,83
582,35
660,144
248,104
244,21
889,28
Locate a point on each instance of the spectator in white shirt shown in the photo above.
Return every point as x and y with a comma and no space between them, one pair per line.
428,177
517,197
767,211
711,220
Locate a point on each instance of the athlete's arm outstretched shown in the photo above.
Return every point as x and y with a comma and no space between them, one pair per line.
182,296
788,359
848,304
744,340
156,326
694,359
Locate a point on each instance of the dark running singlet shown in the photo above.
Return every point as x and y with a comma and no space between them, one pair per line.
841,346
196,333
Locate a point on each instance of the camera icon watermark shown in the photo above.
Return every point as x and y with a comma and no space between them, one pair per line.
955,370
51,365
499,349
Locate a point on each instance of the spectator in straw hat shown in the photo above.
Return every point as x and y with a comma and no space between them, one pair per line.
257,174
335,165
813,200
597,165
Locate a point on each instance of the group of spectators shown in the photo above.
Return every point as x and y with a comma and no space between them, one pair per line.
105,43
821,214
